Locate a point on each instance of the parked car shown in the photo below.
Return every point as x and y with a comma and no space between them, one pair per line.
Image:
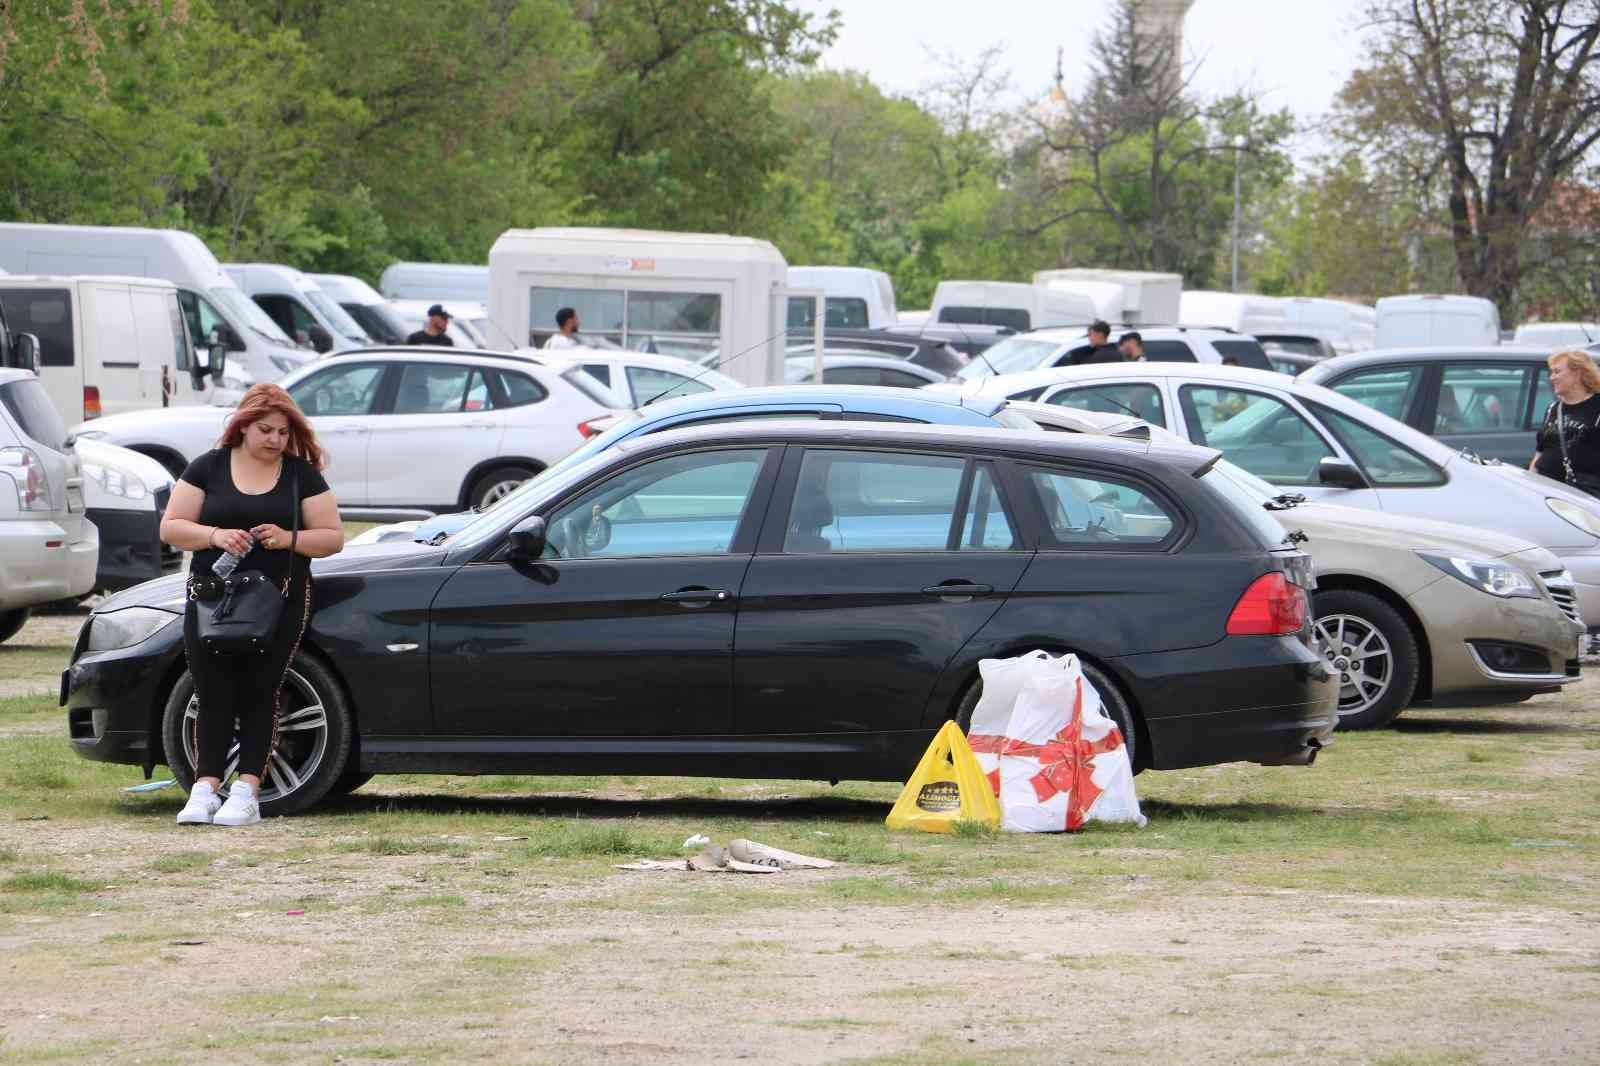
48,548
750,570
1554,335
1407,610
1044,348
1315,441
968,338
638,378
1430,319
1491,400
125,495
844,367
1291,363
931,352
412,429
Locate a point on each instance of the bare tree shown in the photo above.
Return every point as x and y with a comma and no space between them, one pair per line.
1493,102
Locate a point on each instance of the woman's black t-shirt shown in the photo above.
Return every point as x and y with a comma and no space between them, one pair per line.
1580,422
228,508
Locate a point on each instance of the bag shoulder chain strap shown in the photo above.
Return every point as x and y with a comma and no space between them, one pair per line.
1561,435
294,535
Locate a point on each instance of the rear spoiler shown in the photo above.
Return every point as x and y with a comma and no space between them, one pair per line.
1205,468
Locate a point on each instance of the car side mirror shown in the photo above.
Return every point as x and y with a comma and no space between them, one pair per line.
1338,474
321,339
26,347
224,334
218,362
527,539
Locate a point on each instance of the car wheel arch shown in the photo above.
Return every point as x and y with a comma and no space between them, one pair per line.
168,457
464,494
1419,632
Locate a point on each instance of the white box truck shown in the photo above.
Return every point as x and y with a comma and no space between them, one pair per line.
1014,305
1125,297
715,299
213,306
1242,312
436,283
854,297
1427,320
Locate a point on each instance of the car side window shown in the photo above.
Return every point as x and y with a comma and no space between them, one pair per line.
900,379
434,388
519,390
1387,463
650,384
850,375
601,372
986,527
1138,400
1085,512
1168,352
339,390
683,505
1389,389
848,501
1482,399
1261,433
201,316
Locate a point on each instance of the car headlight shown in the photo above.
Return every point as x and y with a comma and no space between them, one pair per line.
1497,579
127,627
117,482
1574,515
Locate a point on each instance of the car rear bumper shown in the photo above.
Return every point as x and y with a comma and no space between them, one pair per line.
1243,699
39,563
113,698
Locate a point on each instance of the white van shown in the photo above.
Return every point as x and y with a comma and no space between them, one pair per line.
366,305
106,344
1555,335
1321,327
299,306
1127,297
212,304
1016,305
856,297
1429,321
436,283
1242,312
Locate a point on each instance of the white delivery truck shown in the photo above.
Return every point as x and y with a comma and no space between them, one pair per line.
299,306
107,344
436,283
1015,305
854,297
374,314
1127,297
1321,327
715,299
1242,312
1430,320
214,308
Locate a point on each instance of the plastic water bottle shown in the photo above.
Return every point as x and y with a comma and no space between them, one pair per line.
228,563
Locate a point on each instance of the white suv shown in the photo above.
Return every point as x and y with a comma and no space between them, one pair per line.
48,549
406,429
1044,348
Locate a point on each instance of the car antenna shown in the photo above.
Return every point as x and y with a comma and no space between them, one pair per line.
979,353
719,364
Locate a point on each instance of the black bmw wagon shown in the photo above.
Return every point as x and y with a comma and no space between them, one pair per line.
762,599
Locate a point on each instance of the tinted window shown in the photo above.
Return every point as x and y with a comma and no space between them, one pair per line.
184,349
1264,435
685,505
47,314
520,390
30,405
601,372
340,390
650,385
839,312
1389,389
201,317
1014,318
1482,399
1385,462
1139,400
1168,352
1090,512
873,502
986,527
1246,353
385,329
1543,397
427,388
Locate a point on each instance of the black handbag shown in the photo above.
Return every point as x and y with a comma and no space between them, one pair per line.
1589,483
239,614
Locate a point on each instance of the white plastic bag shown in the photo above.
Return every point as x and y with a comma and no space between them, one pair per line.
1061,761
1002,680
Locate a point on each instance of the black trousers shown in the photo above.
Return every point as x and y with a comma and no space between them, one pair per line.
243,688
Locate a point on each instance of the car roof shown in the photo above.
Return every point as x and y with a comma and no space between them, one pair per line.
432,352
887,362
1068,334
1382,356
870,399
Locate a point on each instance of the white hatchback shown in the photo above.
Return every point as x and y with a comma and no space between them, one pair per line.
406,429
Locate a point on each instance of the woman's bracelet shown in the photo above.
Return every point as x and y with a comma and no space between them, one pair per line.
211,538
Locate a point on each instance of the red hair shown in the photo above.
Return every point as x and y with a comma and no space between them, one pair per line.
263,400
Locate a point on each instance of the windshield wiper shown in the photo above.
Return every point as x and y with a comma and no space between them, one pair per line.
1283,501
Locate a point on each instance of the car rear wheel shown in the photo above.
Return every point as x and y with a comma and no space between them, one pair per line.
11,622
1112,701
313,739
1373,653
492,486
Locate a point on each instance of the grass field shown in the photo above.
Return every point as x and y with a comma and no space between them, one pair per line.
1421,895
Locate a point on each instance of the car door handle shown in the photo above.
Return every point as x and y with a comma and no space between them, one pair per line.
957,588
697,597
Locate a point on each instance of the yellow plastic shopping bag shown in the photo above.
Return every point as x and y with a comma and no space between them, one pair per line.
947,787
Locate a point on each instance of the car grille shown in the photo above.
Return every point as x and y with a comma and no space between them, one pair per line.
1560,585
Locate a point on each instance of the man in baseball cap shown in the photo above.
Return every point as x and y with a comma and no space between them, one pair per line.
433,330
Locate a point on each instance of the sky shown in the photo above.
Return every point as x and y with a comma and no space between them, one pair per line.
1294,53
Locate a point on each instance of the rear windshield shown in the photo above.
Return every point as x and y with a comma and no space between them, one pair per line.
29,404
581,380
1011,317
1245,352
1248,505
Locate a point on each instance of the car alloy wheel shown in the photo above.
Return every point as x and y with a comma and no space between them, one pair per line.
302,740
500,490
1360,656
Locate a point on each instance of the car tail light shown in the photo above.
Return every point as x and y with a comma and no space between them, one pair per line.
1270,607
91,402
589,429
27,473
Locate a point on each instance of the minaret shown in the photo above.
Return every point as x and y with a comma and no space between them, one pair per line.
1161,20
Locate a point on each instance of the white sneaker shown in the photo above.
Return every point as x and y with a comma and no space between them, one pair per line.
202,805
242,807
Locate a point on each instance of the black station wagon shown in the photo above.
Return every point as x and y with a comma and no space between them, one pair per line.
763,599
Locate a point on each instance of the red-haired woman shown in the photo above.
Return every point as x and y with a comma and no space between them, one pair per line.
241,498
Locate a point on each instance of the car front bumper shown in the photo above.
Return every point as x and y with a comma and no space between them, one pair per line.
130,547
39,564
1466,630
114,698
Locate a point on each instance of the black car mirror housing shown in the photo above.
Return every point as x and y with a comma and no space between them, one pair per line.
527,539
1336,473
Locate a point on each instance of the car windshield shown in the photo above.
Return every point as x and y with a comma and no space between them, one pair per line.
1011,356
236,303
337,316
552,480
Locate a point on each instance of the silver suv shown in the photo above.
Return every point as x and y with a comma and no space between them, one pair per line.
48,549
1044,348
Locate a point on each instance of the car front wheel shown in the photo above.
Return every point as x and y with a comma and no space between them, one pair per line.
314,729
1373,653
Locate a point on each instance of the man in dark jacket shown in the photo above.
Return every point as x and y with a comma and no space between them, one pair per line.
1099,349
433,330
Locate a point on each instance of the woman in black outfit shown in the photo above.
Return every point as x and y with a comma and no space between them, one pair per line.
241,498
1568,444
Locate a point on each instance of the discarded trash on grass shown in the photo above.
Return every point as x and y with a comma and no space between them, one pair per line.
740,856
151,786
699,840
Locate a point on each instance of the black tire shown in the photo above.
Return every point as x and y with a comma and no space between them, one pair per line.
174,464
1376,687
490,485
12,621
348,782
1112,701
318,780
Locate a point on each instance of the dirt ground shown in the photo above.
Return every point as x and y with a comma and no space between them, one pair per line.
406,927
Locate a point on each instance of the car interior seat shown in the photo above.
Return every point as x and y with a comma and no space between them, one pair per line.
813,512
